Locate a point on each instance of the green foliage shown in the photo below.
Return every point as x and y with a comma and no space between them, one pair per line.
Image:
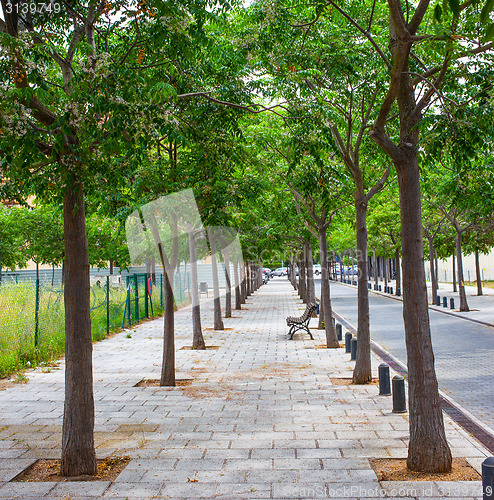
383,222
11,238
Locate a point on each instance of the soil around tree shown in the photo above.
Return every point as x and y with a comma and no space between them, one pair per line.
324,346
154,382
44,470
395,469
208,348
349,381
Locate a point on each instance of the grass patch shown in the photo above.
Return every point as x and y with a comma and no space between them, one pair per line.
20,348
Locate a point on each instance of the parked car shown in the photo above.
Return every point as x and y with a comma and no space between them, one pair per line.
349,270
316,269
280,271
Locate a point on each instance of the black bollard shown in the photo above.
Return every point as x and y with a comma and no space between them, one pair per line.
384,381
391,290
438,300
398,292
339,331
488,478
445,302
348,341
370,286
451,303
375,287
353,349
399,400
380,288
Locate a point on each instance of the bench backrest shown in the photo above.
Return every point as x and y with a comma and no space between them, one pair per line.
308,311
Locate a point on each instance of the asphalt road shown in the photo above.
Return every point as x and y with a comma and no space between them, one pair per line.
464,351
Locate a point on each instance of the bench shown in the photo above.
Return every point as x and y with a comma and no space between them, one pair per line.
203,288
297,323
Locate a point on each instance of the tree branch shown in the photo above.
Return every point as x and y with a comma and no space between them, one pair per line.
363,31
418,16
379,185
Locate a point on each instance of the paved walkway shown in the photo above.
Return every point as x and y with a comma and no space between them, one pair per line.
262,418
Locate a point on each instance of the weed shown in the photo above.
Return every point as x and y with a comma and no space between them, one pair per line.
20,379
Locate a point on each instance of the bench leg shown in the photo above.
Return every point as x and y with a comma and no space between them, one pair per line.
291,332
306,328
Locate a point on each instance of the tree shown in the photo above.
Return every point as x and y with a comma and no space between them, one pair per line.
82,90
12,251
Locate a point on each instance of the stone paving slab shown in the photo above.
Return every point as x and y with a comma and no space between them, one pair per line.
261,418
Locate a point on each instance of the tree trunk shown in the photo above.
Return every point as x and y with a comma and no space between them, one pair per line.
348,268
341,268
376,277
248,280
428,449
168,364
477,272
320,323
243,282
461,285
78,453
302,279
111,267
293,274
197,338
218,321
398,270
432,269
455,289
436,262
385,272
228,305
238,297
309,264
253,277
327,313
362,373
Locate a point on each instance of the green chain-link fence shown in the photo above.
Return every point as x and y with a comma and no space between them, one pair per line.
32,314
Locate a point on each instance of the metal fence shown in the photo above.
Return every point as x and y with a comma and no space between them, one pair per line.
32,319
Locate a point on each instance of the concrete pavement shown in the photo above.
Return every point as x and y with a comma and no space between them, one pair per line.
261,419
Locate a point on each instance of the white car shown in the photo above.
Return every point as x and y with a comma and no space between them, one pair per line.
316,269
